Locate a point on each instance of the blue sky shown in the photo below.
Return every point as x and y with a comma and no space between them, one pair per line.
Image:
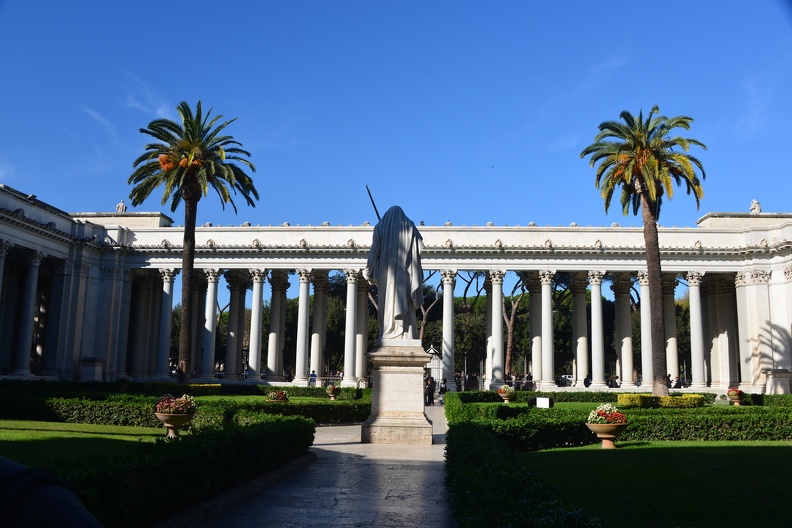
469,112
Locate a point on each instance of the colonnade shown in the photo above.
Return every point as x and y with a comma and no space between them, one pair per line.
723,307
90,287
712,316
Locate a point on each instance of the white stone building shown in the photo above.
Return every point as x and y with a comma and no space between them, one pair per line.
100,286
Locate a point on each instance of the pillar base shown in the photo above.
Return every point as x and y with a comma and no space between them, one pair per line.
397,400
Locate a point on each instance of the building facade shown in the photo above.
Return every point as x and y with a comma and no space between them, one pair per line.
81,289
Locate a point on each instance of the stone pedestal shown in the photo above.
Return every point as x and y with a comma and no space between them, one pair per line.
397,405
91,369
777,381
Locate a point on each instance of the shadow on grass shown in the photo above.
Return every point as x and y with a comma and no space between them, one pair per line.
673,484
47,449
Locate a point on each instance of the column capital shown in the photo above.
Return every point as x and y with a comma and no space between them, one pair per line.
694,278
534,283
351,275
278,281
304,275
110,272
546,277
4,247
724,285
578,286
643,278
788,274
595,277
363,286
235,282
168,274
212,275
759,276
621,287
36,258
258,275
321,282
669,285
449,276
496,276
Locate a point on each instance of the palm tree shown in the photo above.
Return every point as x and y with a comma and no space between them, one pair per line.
638,157
188,159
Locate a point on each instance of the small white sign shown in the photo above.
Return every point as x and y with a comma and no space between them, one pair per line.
544,403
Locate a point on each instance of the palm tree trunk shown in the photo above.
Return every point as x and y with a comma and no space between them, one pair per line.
188,261
651,240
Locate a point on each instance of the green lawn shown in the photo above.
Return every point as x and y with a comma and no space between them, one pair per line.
43,444
673,484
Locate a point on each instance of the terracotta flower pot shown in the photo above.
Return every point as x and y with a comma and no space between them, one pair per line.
507,396
333,392
174,422
607,433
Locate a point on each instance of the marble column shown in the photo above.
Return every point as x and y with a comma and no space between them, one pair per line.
198,322
753,312
319,322
282,329
166,312
361,333
597,332
449,282
234,340
580,329
241,364
497,379
548,361
489,353
254,351
726,335
27,314
301,345
210,323
535,292
4,247
696,331
279,284
622,284
669,318
349,328
646,333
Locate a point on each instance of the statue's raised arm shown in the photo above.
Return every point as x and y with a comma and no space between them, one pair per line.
394,265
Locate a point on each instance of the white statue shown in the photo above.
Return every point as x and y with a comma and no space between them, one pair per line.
394,265
755,207
121,207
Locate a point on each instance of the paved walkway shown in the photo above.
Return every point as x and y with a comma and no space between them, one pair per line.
349,484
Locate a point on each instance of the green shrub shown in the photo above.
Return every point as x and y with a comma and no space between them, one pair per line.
489,486
154,481
649,401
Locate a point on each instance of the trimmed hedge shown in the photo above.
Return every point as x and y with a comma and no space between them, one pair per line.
136,408
489,486
154,481
529,429
674,401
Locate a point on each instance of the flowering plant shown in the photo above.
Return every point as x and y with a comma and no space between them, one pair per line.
505,389
333,388
606,414
171,405
734,393
278,396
